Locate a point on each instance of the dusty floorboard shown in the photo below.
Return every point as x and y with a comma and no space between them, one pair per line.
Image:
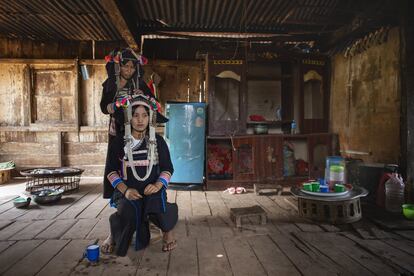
46,240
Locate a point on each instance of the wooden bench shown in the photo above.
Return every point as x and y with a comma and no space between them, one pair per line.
237,214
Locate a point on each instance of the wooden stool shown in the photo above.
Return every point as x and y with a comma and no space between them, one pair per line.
267,189
236,214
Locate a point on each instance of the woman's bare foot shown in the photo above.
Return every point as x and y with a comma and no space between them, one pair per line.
107,246
168,241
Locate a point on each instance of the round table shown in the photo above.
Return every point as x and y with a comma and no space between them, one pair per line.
333,209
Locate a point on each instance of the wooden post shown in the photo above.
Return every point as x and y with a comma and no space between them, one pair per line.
120,22
59,149
407,95
76,97
26,106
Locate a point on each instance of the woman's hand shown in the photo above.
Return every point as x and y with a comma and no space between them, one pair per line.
121,103
152,188
132,194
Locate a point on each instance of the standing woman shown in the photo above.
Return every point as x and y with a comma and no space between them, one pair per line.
124,69
139,172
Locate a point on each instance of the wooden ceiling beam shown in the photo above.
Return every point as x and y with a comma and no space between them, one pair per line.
274,38
364,17
355,30
120,23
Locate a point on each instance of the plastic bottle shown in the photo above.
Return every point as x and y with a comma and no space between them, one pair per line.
336,175
293,127
278,114
394,193
335,171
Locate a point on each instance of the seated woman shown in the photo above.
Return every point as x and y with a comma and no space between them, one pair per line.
139,171
125,78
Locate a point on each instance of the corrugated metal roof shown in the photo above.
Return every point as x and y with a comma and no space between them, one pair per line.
88,19
259,16
56,20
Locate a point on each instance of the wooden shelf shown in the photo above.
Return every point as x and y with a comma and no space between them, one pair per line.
262,79
270,123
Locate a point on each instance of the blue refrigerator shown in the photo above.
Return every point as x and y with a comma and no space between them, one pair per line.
185,136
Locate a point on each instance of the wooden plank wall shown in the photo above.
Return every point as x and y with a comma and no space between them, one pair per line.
30,148
50,116
366,97
179,81
12,83
27,48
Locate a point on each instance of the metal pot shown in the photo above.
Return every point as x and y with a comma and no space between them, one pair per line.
46,196
261,129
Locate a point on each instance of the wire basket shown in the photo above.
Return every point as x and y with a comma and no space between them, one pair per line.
52,178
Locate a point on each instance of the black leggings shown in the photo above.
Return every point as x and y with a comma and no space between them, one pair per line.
124,223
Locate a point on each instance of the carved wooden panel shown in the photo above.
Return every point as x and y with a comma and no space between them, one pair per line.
269,157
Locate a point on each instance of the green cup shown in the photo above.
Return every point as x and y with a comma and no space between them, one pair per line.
315,186
307,187
339,188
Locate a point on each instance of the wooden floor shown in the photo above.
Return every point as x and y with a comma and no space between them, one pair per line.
50,240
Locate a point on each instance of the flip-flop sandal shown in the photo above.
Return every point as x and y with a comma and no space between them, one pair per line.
230,190
168,246
240,190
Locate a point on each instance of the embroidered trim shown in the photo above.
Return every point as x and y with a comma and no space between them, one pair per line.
163,181
137,146
112,176
116,182
138,163
114,179
166,175
165,178
144,151
140,152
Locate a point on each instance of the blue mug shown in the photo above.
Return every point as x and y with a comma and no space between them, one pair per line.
92,253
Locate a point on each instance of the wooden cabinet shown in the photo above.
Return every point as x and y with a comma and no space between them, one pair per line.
244,160
245,92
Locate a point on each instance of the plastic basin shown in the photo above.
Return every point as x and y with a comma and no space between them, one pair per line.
408,211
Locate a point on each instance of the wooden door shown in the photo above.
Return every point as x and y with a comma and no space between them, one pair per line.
226,97
244,161
269,158
314,100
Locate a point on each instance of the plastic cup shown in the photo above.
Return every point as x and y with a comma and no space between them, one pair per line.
324,188
307,187
92,253
339,188
315,186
